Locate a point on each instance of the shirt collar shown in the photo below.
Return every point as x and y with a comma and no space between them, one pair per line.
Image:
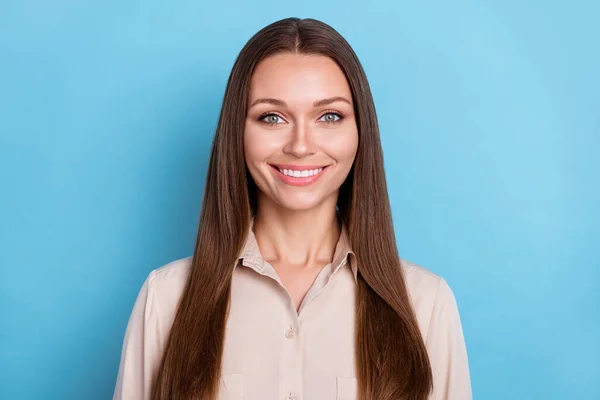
343,254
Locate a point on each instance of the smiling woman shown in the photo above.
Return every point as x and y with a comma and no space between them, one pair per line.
295,289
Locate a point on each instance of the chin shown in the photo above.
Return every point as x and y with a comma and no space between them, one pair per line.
300,203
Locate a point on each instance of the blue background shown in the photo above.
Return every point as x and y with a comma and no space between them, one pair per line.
490,120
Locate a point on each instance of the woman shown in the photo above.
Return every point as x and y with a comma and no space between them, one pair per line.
295,289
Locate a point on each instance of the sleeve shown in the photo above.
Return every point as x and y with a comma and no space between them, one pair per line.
139,355
447,350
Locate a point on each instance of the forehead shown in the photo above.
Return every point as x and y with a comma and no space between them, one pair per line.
298,78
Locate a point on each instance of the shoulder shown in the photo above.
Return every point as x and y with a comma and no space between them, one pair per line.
427,291
419,280
165,285
172,273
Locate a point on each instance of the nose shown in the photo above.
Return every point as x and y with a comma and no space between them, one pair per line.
301,142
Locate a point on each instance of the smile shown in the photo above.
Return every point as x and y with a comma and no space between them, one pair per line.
298,175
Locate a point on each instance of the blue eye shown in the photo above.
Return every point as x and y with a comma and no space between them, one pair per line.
331,117
271,119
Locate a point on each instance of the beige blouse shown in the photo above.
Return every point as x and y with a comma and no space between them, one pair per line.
272,351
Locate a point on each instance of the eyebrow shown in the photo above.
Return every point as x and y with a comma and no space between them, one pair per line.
318,103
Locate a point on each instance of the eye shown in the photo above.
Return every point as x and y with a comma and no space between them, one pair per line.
271,119
331,117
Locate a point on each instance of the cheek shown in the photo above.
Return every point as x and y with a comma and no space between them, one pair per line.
342,148
258,145
350,148
253,147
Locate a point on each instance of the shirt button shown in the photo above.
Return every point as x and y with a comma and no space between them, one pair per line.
289,398
290,334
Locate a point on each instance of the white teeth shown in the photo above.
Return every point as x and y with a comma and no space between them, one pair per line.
301,174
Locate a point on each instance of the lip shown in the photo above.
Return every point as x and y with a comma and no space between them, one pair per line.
298,167
300,181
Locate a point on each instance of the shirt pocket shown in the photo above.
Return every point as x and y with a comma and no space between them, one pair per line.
231,387
347,388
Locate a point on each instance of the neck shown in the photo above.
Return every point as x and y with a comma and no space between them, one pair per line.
297,238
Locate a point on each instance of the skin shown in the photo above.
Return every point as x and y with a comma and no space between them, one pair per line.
296,226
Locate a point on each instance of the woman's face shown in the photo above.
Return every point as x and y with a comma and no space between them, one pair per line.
300,136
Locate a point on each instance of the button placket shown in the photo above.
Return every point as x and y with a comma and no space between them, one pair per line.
292,358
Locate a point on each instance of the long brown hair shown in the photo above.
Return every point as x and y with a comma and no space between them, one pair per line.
392,361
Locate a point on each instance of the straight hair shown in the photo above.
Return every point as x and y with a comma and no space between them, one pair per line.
391,357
